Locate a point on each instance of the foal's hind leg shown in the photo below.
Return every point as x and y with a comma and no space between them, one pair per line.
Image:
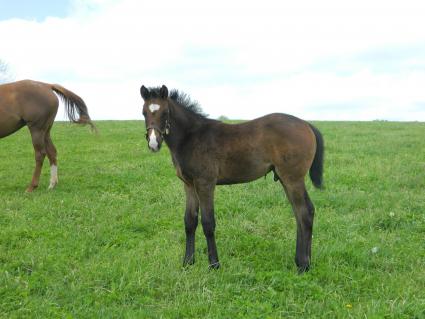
52,155
304,214
190,222
38,142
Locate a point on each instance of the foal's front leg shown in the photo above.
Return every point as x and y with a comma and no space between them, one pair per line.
190,223
205,192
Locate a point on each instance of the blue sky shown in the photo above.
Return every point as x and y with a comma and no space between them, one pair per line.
33,10
326,60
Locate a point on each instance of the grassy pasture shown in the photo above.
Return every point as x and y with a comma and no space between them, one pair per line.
108,241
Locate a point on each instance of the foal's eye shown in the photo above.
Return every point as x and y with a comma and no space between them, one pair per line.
144,113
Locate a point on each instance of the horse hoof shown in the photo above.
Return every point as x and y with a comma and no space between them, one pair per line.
188,262
303,269
215,265
51,186
30,189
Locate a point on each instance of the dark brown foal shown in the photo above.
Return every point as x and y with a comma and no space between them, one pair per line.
207,153
35,104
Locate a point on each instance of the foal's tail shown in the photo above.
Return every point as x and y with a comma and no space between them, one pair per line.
74,104
316,169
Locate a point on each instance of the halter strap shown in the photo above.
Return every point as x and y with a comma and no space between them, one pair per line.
164,132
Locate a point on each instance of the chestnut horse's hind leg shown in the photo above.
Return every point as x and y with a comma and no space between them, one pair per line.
304,214
51,154
190,222
38,142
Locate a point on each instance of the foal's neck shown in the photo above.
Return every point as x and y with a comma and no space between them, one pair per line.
182,123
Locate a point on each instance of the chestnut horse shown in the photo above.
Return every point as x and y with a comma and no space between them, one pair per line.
206,153
34,104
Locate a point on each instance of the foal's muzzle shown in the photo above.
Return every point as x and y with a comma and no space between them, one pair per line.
154,139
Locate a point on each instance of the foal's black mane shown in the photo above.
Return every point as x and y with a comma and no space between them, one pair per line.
181,99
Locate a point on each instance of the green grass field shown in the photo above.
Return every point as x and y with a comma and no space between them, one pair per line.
108,242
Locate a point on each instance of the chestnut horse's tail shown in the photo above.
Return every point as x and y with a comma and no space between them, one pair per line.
73,104
316,169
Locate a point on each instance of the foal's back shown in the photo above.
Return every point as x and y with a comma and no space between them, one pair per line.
269,133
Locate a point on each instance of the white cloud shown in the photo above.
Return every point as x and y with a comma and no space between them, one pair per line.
237,58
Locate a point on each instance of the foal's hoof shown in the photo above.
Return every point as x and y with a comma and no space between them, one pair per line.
303,269
188,262
215,265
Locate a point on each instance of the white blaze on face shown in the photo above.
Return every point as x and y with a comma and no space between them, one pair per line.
153,143
53,176
154,107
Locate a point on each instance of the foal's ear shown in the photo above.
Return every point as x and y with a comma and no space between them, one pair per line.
163,92
144,92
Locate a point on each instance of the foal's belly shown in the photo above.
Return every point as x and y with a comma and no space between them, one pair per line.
242,172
